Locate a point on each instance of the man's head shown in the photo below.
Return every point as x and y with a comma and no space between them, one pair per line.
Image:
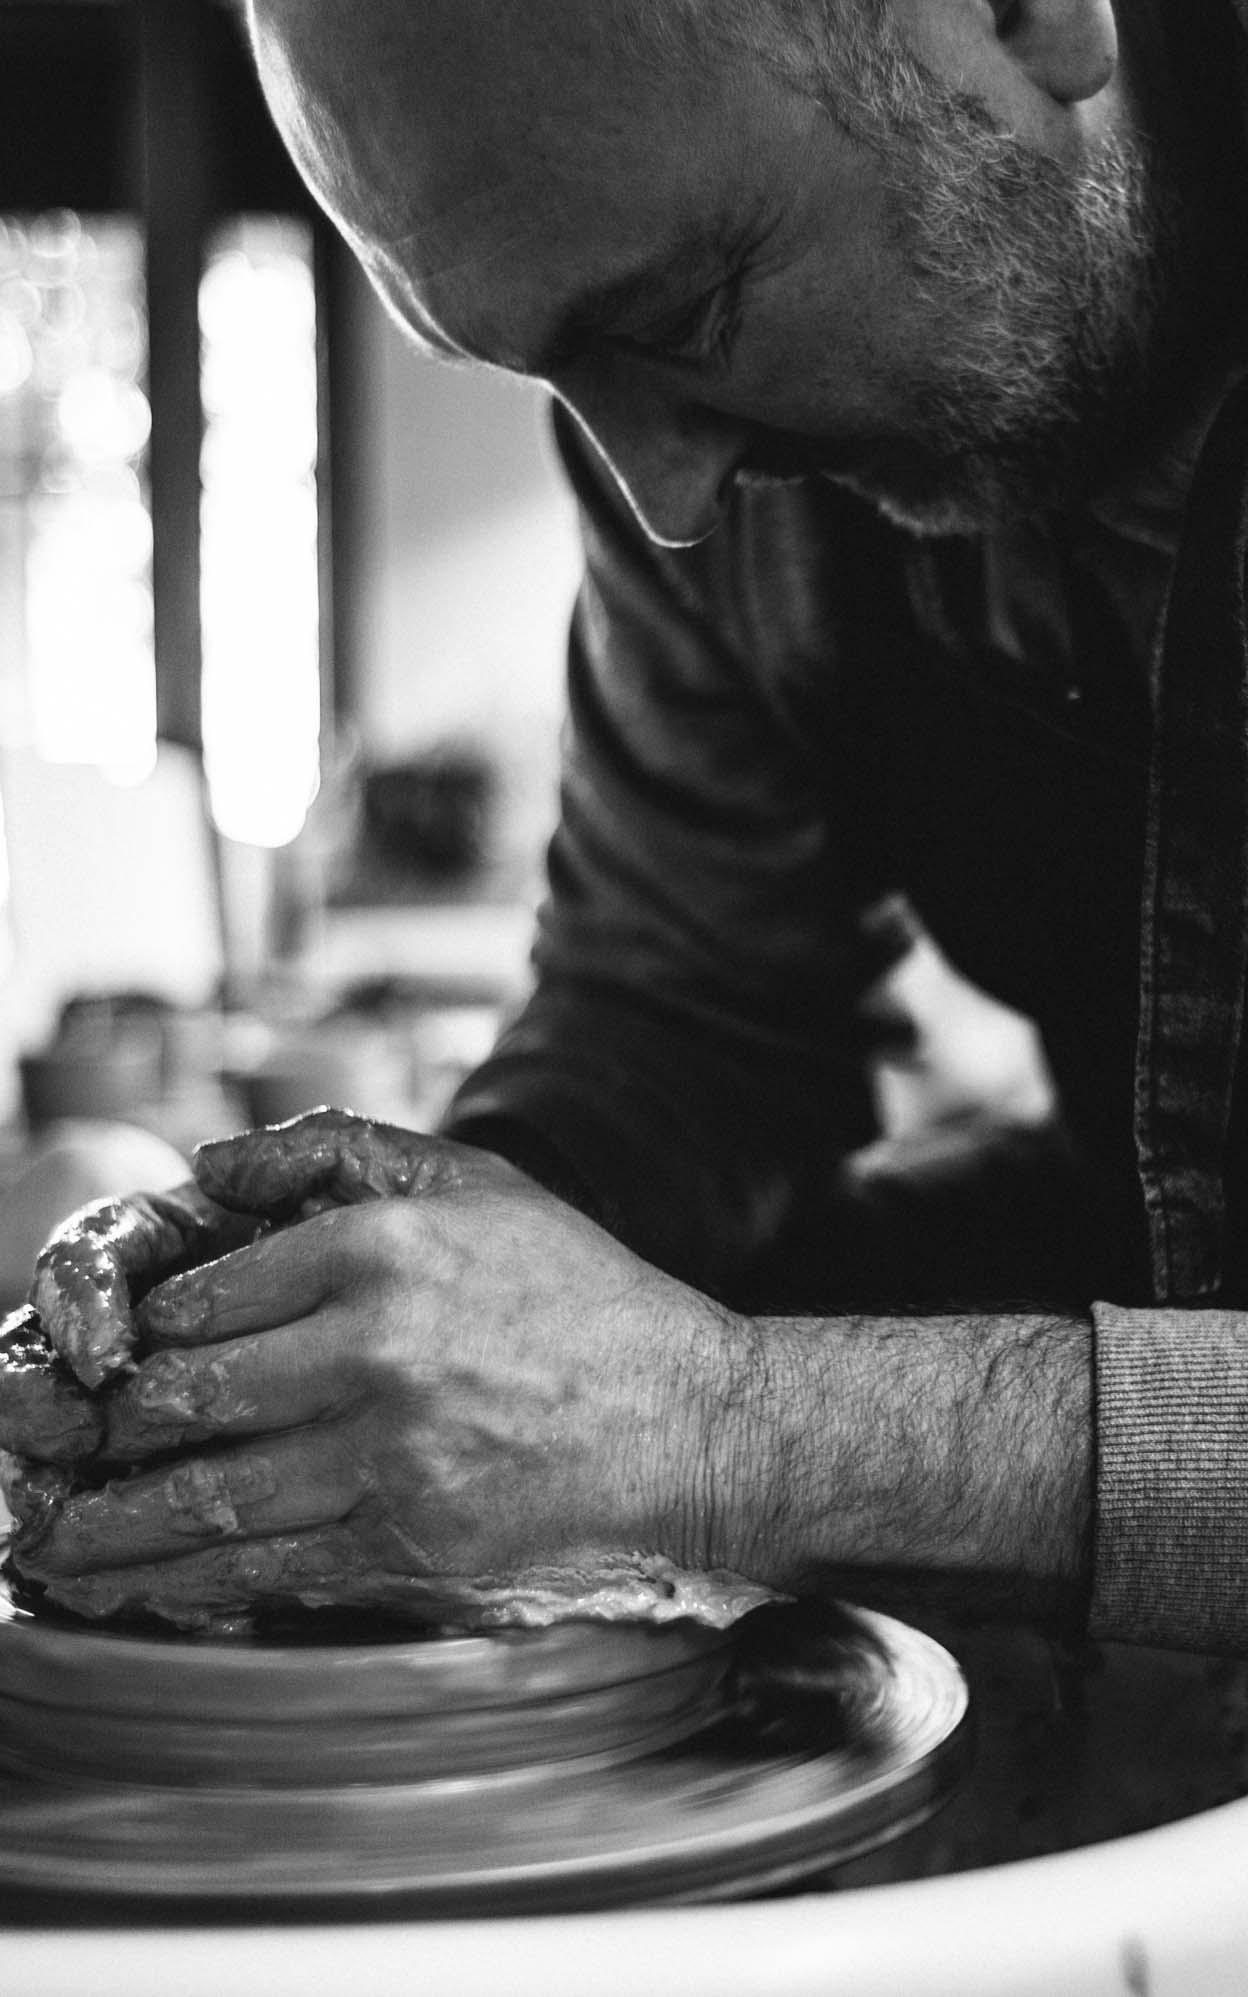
909,243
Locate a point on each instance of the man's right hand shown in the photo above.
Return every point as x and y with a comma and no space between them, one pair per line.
432,1385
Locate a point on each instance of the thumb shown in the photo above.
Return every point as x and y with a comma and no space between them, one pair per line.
327,1157
108,1252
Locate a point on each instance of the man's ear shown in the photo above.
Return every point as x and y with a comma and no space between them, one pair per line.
1067,48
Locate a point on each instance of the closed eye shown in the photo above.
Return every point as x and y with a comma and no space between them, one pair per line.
695,335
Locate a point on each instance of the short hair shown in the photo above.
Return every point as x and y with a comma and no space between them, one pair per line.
785,30
835,50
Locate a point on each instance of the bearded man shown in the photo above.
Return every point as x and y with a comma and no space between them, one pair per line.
894,957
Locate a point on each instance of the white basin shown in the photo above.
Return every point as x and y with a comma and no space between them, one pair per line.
1162,1914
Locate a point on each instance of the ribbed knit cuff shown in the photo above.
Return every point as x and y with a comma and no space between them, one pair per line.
1171,1545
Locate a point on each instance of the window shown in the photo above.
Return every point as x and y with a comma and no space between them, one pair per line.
167,294
77,669
259,540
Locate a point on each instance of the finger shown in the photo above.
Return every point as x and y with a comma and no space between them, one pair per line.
104,1254
246,1386
289,1482
326,1155
44,1413
218,1589
276,1280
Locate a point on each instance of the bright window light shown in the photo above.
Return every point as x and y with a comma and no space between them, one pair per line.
77,672
6,891
258,527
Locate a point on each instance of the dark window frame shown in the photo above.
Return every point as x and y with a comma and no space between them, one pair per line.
152,108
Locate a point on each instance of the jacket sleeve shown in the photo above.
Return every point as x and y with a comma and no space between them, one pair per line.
1171,1522
685,1067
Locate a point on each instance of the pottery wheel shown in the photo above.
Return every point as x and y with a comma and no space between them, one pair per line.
588,1765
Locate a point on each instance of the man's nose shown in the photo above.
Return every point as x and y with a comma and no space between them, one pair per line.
674,460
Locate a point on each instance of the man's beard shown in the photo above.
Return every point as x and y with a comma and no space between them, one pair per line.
1038,286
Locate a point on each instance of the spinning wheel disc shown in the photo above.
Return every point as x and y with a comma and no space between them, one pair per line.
660,1764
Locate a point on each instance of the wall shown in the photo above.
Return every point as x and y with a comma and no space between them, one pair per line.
111,890
471,563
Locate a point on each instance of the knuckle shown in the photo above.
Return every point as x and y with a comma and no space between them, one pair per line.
163,1384
369,1244
174,1397
212,1496
373,1368
396,1231
183,1305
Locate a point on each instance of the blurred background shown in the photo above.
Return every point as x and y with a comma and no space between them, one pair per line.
282,612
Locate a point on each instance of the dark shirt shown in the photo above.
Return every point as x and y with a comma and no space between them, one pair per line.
769,734
1040,738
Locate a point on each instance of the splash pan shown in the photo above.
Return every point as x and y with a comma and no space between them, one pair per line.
530,1771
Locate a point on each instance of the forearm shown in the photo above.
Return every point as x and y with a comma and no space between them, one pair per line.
936,1462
